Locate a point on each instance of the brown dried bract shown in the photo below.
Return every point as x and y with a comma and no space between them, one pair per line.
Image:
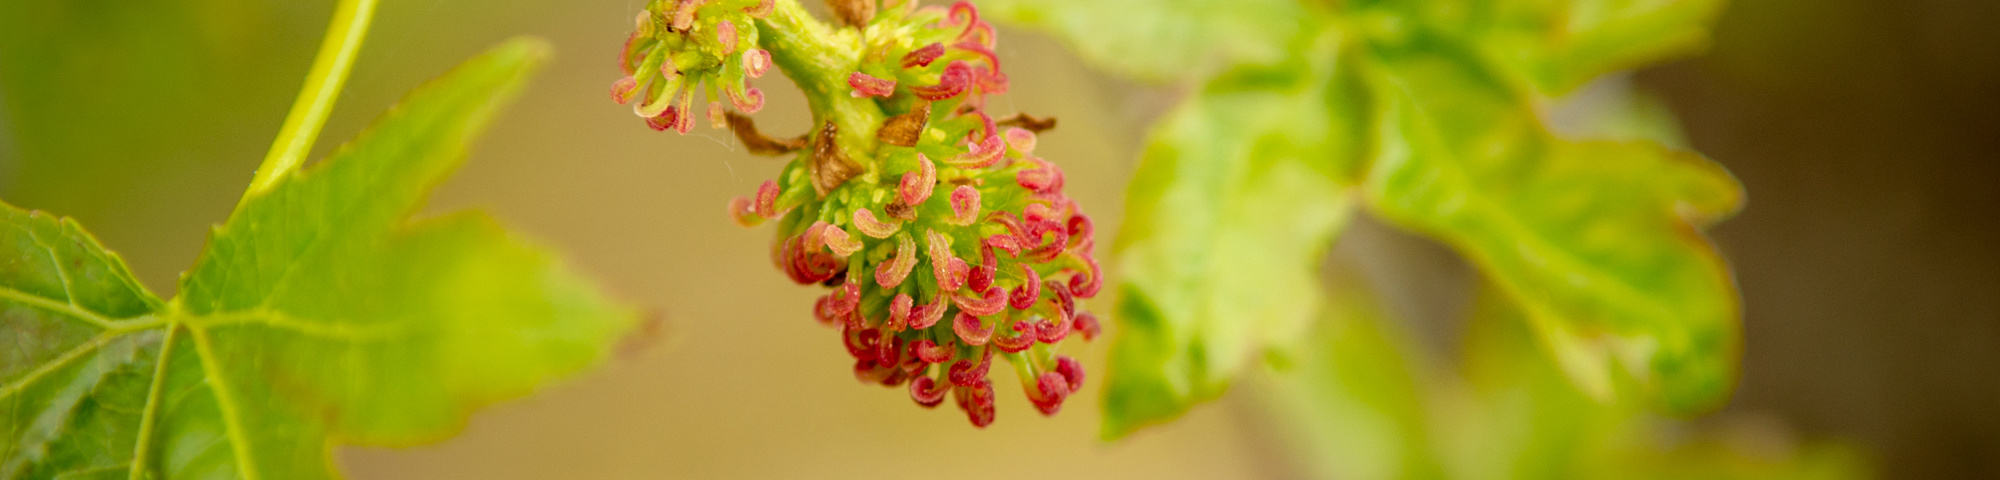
852,13
904,130
1029,122
757,142
830,167
899,211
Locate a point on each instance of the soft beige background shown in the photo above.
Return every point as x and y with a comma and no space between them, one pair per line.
1863,129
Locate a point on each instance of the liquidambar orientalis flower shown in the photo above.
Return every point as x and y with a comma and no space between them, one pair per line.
945,242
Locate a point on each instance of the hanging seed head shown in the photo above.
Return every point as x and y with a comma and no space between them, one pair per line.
944,241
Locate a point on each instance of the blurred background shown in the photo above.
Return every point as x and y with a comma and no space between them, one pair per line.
1866,131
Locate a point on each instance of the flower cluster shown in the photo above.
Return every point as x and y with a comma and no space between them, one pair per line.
946,242
680,46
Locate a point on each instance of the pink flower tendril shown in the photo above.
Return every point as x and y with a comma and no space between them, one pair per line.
866,85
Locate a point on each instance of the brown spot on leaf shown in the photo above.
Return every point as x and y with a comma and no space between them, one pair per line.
757,142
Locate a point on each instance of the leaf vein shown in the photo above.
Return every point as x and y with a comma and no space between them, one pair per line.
69,292
226,405
60,362
147,416
45,303
282,321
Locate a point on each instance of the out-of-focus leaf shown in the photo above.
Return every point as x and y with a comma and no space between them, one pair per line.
1238,195
1356,401
1361,404
1748,453
1533,423
1560,44
1609,108
1598,240
66,346
318,315
1556,45
1164,40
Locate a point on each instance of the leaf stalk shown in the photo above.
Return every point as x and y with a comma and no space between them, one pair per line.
323,84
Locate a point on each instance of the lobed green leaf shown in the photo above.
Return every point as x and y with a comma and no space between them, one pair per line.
1560,44
72,369
1236,198
1361,405
1598,241
318,315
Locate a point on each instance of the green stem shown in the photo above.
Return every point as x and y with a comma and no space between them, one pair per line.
329,71
818,58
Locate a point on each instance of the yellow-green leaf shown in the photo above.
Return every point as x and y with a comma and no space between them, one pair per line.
1362,403
1164,40
1534,423
1237,197
75,353
1560,44
1556,45
1599,241
319,315
1359,399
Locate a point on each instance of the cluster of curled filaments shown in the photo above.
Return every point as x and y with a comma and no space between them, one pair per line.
944,240
686,46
